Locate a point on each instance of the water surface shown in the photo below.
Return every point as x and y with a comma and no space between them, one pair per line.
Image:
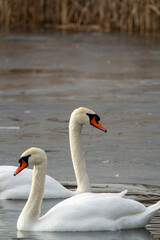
10,210
44,76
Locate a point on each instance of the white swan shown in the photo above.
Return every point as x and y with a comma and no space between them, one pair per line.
18,188
83,212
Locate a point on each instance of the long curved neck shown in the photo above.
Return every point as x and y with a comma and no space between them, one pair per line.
83,182
32,208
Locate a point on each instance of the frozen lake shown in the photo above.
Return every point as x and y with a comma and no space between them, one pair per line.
44,76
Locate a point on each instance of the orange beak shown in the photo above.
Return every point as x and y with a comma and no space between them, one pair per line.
21,166
97,124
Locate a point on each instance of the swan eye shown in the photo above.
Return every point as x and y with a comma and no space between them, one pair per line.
25,158
91,116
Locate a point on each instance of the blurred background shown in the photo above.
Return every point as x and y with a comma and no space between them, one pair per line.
101,15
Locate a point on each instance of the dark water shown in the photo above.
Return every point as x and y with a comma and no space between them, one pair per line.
44,76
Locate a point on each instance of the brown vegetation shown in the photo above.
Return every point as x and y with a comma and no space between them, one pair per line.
130,16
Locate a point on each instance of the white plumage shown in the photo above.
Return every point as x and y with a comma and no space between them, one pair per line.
84,212
18,188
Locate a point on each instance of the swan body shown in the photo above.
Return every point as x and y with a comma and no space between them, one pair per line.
83,212
10,190
19,188
100,212
10,186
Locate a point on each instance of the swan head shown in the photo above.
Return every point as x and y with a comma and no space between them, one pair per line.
85,116
32,156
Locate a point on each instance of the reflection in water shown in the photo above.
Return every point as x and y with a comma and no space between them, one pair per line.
140,234
10,210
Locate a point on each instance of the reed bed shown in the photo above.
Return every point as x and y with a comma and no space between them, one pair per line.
142,16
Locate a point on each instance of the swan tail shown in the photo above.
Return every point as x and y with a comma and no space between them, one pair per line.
154,208
151,212
123,193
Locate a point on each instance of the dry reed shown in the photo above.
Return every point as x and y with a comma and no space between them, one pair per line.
130,16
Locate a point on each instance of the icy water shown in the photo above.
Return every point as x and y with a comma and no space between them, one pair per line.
9,212
44,76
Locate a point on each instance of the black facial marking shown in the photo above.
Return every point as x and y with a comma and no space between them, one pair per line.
25,158
91,116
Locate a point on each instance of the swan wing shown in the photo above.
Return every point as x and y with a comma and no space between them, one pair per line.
18,187
89,212
14,187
